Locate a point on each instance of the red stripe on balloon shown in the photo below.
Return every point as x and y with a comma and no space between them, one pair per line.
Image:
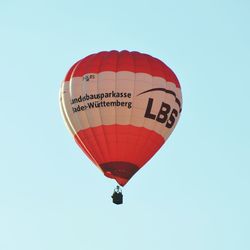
119,150
122,61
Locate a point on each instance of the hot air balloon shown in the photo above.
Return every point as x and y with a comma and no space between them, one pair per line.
120,107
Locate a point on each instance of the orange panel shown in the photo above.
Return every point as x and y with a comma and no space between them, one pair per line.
120,150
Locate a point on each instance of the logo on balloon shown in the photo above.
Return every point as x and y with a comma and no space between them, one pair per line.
164,115
88,77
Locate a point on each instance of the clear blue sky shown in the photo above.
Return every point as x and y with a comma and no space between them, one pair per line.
193,195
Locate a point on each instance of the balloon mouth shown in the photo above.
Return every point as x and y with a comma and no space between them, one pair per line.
120,171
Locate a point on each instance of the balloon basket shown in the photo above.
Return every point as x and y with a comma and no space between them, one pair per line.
117,196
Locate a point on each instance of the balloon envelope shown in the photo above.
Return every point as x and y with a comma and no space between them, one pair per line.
120,107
